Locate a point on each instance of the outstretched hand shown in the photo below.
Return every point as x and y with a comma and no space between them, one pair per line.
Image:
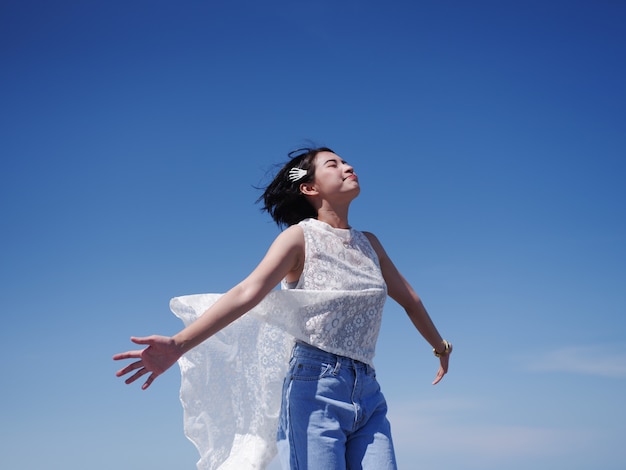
444,360
159,356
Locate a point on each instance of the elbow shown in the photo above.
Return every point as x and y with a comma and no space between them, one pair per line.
247,295
407,298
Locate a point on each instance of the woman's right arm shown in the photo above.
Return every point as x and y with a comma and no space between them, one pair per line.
286,254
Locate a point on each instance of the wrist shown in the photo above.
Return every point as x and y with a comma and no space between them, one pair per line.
443,350
180,343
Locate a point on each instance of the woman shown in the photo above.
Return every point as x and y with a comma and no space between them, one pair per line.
335,280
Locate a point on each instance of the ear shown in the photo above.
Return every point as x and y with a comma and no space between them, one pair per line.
308,189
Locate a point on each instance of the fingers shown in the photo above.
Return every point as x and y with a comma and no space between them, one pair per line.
135,354
137,366
137,375
129,368
142,340
140,373
149,381
127,355
439,376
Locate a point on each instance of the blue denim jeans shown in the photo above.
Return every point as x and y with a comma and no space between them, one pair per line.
333,415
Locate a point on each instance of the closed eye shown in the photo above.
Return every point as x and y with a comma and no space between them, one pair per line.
333,162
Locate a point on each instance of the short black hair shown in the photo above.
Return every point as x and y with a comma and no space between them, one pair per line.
282,198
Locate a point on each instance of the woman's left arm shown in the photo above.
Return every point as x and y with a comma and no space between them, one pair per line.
401,291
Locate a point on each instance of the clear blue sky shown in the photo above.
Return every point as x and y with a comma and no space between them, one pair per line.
490,141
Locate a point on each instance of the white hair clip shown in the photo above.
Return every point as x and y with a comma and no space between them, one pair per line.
296,174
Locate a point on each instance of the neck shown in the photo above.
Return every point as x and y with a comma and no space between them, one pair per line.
334,218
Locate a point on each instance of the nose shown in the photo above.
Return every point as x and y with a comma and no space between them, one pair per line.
348,168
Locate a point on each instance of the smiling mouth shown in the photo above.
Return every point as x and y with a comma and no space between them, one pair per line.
353,176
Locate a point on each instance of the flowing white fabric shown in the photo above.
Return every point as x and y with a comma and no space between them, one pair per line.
232,383
230,388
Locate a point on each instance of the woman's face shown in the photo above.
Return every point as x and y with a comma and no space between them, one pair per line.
334,176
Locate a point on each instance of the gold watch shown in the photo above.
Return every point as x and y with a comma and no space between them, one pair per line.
446,349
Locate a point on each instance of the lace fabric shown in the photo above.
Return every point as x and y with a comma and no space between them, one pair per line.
340,260
231,384
230,388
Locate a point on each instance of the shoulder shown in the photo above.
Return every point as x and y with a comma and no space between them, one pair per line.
291,236
378,247
372,238
292,231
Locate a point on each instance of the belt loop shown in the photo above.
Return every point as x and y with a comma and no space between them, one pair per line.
337,366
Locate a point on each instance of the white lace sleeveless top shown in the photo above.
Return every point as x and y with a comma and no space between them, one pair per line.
231,384
344,261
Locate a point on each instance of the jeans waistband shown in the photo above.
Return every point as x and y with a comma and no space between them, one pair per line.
302,349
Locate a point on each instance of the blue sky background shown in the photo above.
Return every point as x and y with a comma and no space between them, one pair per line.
490,142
